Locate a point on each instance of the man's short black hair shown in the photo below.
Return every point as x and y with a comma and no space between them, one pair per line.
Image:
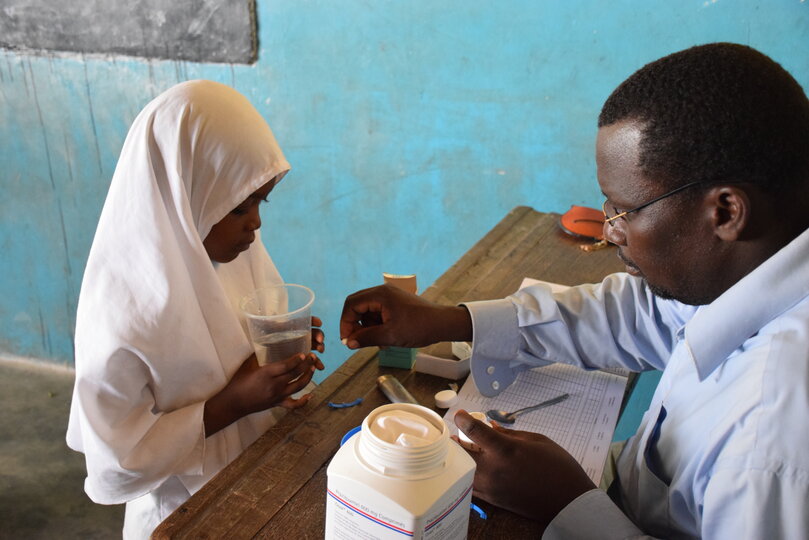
717,112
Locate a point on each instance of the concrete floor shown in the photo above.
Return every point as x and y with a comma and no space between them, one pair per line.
41,479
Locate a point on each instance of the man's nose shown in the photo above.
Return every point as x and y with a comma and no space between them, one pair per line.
614,233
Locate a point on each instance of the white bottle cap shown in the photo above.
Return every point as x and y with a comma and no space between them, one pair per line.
446,399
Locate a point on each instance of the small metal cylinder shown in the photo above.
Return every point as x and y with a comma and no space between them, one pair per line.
394,390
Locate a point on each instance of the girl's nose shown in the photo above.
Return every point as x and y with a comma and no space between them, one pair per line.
255,219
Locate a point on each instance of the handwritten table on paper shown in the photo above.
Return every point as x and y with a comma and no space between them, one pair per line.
583,424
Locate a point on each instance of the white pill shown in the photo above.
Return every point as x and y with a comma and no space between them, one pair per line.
446,399
344,341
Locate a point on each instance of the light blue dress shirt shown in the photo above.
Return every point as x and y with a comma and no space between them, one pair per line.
723,451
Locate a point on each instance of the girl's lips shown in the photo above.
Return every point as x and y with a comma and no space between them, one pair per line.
245,245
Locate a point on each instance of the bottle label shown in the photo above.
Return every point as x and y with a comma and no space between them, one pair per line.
348,519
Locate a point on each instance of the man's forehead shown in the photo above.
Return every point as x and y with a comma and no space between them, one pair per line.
617,156
619,142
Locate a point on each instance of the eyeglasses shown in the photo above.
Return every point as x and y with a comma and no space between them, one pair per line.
644,205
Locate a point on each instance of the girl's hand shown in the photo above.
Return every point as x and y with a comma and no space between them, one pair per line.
256,388
317,335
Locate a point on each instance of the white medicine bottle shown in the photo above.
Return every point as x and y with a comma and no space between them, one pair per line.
400,477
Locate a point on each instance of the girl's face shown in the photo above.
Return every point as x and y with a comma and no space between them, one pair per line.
236,231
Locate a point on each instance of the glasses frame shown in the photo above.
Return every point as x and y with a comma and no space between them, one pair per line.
644,205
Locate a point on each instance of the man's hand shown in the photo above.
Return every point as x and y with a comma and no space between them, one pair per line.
520,471
387,316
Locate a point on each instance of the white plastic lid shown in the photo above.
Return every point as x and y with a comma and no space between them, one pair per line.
446,399
403,440
403,428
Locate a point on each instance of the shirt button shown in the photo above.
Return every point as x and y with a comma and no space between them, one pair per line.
490,370
495,385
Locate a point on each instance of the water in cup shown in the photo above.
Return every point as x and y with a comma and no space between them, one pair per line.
282,345
279,322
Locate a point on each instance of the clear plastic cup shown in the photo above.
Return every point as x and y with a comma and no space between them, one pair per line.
279,321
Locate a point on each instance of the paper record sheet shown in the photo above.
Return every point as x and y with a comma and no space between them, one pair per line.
583,424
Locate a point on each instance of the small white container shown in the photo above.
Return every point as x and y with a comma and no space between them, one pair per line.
450,361
400,477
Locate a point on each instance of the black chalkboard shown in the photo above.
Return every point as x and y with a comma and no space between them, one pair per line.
193,30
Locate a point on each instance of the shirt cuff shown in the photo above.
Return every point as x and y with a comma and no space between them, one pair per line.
592,515
495,343
193,462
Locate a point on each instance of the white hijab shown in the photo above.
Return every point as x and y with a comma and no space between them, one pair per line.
157,329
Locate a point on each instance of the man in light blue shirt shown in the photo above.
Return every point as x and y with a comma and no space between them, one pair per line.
703,157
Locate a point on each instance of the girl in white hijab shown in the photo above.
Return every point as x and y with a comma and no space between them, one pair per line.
167,389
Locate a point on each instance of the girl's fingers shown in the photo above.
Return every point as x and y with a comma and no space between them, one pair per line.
282,367
318,340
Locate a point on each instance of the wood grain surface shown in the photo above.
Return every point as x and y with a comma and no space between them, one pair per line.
277,487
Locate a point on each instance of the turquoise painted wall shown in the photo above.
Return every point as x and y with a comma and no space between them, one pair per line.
412,128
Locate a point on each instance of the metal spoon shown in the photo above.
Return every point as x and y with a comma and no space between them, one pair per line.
504,417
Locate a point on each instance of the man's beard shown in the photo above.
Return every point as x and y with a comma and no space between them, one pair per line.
691,298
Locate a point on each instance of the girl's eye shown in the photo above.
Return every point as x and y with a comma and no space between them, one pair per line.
245,207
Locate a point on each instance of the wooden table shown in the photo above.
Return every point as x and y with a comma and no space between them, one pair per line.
277,487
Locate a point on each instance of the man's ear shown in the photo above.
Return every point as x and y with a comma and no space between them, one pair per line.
731,211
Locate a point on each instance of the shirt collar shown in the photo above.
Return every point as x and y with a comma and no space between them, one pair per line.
722,326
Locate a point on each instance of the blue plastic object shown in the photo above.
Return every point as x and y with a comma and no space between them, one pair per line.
354,403
349,434
479,510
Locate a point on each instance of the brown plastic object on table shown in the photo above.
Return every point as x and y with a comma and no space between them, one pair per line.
583,222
